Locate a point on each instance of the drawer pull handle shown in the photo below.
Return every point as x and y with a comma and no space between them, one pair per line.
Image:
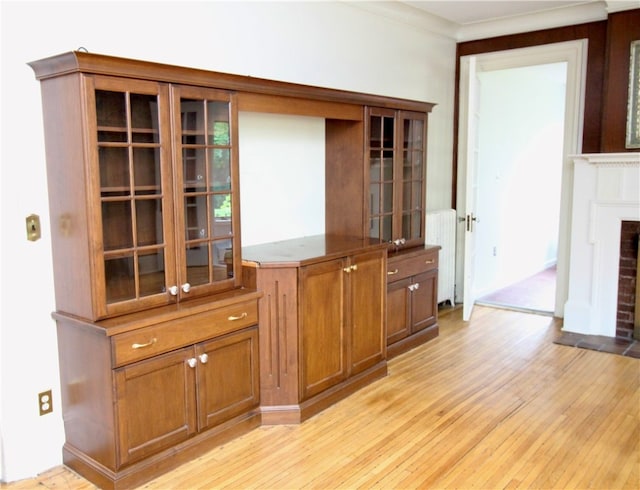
430,261
239,317
392,273
147,344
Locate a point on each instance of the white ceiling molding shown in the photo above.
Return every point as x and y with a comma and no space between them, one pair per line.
535,21
417,14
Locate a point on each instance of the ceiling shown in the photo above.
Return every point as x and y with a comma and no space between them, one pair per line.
470,12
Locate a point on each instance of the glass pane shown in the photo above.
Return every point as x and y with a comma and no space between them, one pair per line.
193,165
375,172
119,275
144,111
406,196
192,118
117,228
375,128
386,228
406,165
197,264
374,198
221,228
114,167
111,109
374,227
388,132
151,270
220,161
416,195
149,222
222,259
388,165
416,225
218,132
195,217
418,164
406,225
387,198
146,169
221,206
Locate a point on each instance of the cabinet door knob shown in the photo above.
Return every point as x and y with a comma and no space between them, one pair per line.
203,358
173,290
192,362
347,269
416,286
354,267
186,287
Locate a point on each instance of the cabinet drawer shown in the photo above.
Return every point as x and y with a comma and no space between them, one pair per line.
163,337
402,267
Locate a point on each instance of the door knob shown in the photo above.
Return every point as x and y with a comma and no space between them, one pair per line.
203,358
186,287
173,290
192,362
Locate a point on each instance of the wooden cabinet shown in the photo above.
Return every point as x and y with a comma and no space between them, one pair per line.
153,166
187,391
157,317
384,198
339,336
157,336
395,157
322,321
143,393
412,303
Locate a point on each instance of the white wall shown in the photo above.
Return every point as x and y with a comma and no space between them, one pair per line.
332,44
519,173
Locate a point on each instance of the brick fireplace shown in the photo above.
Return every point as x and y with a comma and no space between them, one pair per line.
627,320
606,194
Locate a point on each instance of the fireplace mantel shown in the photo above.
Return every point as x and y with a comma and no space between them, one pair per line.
606,191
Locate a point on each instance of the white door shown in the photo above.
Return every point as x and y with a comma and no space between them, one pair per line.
468,155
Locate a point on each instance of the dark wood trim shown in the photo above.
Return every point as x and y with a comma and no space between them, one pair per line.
622,28
78,61
594,32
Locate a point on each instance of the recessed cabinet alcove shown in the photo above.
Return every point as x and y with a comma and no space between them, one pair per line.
162,327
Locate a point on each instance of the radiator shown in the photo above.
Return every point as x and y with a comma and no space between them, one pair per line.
441,230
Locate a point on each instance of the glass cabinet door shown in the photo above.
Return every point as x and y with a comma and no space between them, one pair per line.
132,143
206,167
413,138
382,130
395,170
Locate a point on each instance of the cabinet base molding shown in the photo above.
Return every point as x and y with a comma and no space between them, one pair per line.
413,341
149,468
295,414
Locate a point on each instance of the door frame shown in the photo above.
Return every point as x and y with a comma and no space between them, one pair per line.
574,53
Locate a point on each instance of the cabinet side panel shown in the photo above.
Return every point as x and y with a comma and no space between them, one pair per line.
278,331
63,121
344,191
86,391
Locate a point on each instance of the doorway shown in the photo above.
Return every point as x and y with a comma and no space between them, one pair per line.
520,143
570,61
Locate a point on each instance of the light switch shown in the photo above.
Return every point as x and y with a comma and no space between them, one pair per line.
33,227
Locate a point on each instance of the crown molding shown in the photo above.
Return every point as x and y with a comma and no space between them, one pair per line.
547,19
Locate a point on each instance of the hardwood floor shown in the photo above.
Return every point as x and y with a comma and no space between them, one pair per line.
492,403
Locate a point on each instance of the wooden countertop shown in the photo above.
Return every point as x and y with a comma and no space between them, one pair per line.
305,250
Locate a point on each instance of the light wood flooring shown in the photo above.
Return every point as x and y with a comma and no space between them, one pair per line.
492,404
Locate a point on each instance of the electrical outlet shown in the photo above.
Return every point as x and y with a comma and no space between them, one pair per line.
45,403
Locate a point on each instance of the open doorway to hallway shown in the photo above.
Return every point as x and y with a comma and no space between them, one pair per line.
519,162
